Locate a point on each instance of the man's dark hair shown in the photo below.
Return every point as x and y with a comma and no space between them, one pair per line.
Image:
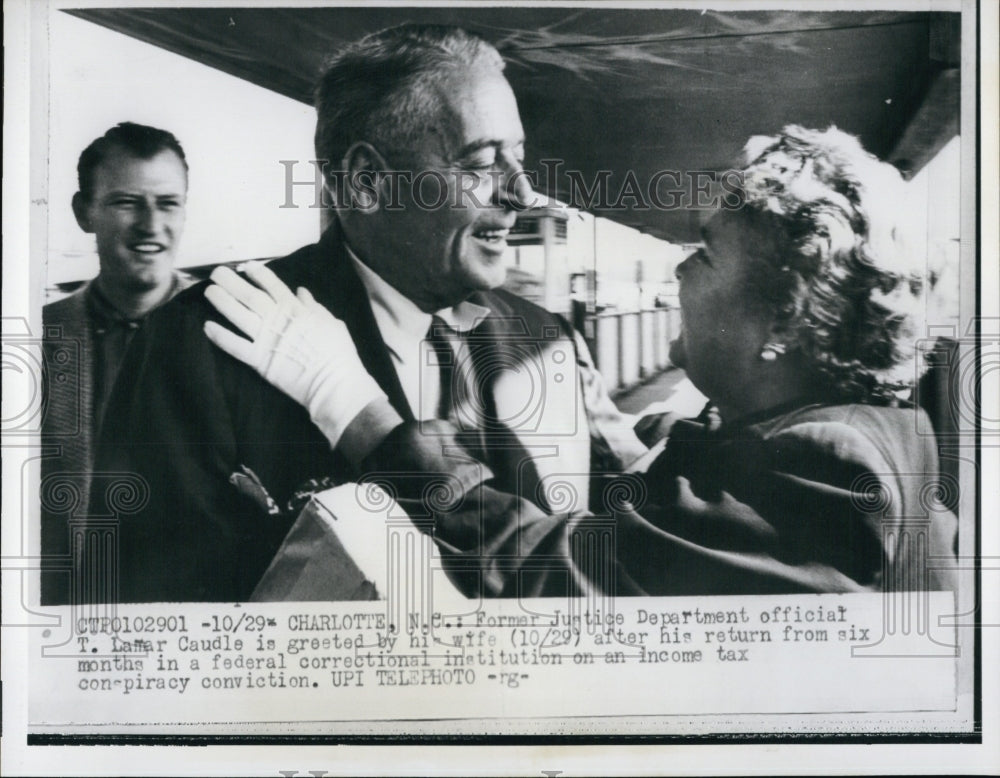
135,139
383,88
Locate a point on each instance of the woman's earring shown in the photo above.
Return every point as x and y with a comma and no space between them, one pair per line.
772,351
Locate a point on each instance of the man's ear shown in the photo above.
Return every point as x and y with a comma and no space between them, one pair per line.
81,206
363,189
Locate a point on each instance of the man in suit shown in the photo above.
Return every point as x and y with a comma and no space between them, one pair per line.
133,187
426,178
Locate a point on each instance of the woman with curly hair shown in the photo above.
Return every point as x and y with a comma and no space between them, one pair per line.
807,473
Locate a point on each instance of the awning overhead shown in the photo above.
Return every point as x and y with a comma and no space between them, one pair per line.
641,90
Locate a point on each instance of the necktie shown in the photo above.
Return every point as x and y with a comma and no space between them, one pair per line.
438,337
460,398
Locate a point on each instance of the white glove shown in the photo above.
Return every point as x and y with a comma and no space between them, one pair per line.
295,344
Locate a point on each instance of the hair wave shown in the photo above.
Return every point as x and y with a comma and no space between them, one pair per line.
840,279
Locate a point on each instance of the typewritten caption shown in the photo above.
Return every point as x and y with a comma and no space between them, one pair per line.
329,661
359,649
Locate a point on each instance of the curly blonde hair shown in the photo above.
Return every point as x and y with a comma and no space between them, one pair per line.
840,279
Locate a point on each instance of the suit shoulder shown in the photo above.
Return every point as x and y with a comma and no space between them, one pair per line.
509,305
869,436
299,267
190,302
188,305
68,308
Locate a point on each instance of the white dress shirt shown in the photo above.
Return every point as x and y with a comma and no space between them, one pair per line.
404,328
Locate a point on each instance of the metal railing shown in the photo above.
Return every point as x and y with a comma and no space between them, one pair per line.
630,346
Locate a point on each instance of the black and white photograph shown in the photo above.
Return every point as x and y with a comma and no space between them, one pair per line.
526,388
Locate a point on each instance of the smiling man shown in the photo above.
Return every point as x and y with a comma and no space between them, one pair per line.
425,147
133,187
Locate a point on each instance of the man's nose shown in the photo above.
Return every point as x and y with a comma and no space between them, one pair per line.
149,219
515,188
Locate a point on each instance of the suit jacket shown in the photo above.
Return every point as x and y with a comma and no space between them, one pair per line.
68,427
222,454
810,499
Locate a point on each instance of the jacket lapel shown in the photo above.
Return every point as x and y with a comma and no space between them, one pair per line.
536,421
336,286
70,391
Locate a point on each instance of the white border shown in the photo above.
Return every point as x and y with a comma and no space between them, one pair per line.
24,65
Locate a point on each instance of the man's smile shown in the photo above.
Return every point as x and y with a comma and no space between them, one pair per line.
147,247
495,239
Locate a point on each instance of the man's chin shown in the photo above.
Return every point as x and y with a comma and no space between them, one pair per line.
490,277
147,279
677,354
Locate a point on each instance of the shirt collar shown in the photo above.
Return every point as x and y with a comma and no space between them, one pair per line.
105,314
464,317
399,319
100,308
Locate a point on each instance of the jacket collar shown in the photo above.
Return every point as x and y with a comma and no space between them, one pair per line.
334,283
103,312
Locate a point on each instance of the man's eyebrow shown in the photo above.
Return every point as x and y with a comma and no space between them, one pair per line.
472,148
119,193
